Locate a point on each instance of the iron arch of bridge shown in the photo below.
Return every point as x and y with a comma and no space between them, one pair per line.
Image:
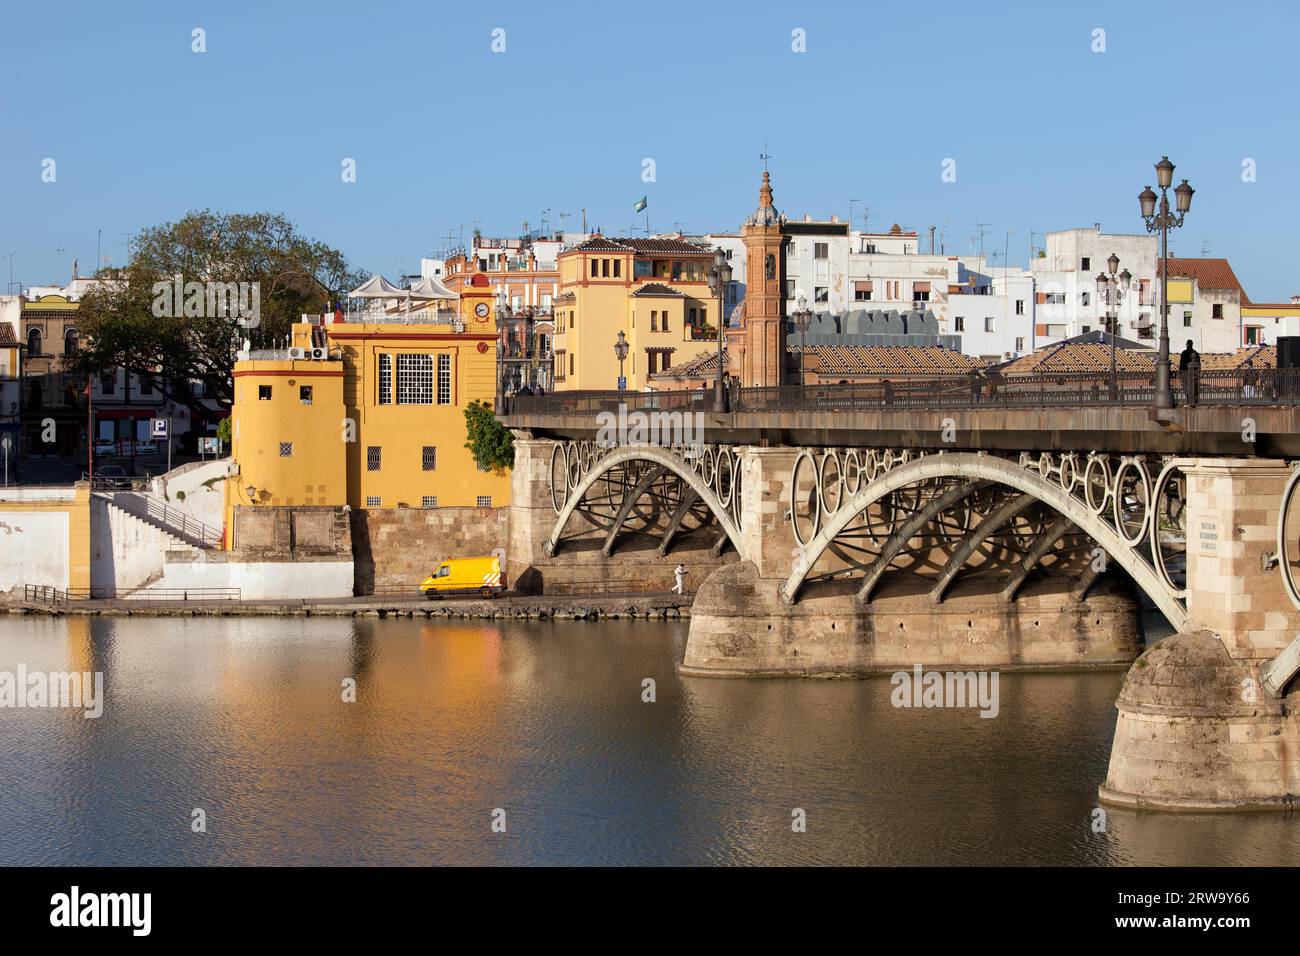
978,467
672,462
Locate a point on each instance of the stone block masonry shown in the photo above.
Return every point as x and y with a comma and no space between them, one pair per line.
398,547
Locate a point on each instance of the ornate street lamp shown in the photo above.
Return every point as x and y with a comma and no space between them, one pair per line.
1163,219
1112,288
502,314
719,277
620,349
802,319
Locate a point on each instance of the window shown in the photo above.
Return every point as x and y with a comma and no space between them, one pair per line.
429,501
374,456
1217,312
1087,263
792,250
264,393
1187,320
988,323
604,268
920,295
559,365
654,321
1083,298
373,501
108,384
821,250
959,324
651,361
789,288
428,458
70,342
821,293
415,379
1054,298
861,295
570,363
286,449
484,501
304,394
33,341
664,325
1087,329
1020,306
618,268
146,385
444,379
891,289
1020,344
1252,334
385,379
595,268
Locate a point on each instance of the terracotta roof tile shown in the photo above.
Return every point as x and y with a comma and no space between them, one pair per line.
7,336
888,360
1067,357
659,289
1208,273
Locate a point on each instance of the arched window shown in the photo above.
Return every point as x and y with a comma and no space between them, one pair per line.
35,398
33,341
69,341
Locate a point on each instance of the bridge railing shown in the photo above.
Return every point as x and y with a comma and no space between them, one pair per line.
1267,386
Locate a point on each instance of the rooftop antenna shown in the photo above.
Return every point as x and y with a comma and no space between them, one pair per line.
1205,248
1033,246
10,257
982,229
764,156
851,202
564,216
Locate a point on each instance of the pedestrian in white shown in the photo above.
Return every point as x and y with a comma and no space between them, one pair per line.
680,574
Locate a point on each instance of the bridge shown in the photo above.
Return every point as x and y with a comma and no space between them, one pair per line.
868,527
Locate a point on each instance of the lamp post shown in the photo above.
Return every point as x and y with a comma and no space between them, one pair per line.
620,349
1112,289
502,314
719,278
802,319
1164,219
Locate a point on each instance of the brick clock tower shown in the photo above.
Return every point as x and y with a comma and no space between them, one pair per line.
764,337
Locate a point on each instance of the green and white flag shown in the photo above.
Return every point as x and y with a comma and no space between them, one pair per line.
640,204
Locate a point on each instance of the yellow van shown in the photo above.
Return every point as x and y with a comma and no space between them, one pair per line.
465,576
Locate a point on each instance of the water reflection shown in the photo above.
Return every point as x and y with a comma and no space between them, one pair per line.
245,718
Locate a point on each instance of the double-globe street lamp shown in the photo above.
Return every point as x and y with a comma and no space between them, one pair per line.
802,319
620,350
1112,289
719,279
1164,219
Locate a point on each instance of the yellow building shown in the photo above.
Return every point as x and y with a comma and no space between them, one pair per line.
380,423
653,290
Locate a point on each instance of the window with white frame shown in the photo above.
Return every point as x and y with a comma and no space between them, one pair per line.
444,379
415,380
959,324
385,379
1020,306
988,323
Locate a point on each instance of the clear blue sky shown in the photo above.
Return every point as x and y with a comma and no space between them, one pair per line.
1046,133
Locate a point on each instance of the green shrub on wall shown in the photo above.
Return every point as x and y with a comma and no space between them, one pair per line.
490,442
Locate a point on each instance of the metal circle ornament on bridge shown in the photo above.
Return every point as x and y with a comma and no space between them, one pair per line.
1288,548
1121,487
1170,487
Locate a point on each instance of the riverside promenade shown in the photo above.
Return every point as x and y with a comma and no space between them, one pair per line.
629,605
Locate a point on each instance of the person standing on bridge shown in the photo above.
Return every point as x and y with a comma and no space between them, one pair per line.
1189,366
679,573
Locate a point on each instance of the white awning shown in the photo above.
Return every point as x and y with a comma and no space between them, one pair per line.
377,288
429,288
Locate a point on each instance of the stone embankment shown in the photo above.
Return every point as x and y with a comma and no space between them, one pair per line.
558,608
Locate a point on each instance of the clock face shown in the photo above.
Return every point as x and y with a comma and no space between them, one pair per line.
481,310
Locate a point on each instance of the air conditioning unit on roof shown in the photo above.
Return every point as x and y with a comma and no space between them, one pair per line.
320,355
297,353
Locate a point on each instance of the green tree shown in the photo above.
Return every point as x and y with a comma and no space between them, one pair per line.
490,442
123,325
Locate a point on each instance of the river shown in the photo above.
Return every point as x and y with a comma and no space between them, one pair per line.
243,719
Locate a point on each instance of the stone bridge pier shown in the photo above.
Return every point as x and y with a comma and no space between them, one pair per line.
1200,726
